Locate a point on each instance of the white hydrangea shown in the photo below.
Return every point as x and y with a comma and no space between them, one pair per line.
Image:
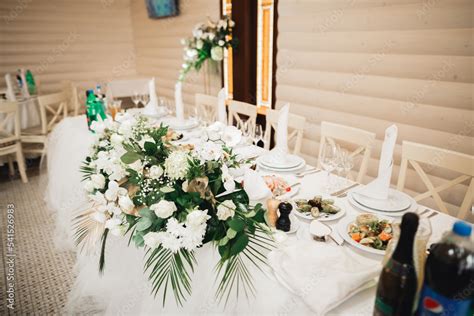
155,172
176,165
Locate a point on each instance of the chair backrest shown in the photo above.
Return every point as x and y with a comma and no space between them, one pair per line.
70,90
295,122
53,107
237,108
9,115
332,132
11,87
414,154
207,106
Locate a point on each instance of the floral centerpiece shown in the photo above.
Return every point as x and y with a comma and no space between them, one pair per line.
170,200
208,42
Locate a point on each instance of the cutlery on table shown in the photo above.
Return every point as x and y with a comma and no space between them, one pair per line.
306,172
343,191
423,212
433,214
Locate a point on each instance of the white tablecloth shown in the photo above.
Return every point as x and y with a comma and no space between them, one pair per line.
124,288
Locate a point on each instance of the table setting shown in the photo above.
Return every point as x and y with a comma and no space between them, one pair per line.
309,225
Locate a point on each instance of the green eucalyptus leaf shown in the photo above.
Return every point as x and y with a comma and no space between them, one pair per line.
146,212
138,239
130,157
150,148
144,223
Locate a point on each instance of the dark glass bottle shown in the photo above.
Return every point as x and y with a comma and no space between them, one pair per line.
396,290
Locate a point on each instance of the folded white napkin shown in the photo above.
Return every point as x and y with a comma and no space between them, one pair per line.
152,107
10,87
379,187
280,152
178,100
221,110
323,276
255,186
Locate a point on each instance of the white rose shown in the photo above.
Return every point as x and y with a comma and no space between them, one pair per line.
116,139
228,179
232,136
231,23
113,191
98,180
184,186
225,210
211,36
221,43
199,44
210,151
217,53
164,209
196,218
126,204
89,186
153,239
155,172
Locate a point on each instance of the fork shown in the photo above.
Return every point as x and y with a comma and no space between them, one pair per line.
302,174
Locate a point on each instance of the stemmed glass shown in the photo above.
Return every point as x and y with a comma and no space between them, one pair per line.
144,99
258,134
135,98
328,162
114,107
344,165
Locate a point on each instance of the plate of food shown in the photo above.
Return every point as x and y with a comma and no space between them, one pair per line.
282,188
367,232
318,208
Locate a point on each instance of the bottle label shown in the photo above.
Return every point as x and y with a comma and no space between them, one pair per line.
382,308
432,303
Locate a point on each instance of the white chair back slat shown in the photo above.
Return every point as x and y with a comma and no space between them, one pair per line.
207,106
414,154
237,108
332,132
53,107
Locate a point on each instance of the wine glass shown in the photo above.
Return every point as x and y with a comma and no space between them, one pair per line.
135,98
328,162
162,104
144,99
258,134
114,107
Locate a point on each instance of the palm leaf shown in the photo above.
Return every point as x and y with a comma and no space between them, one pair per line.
170,269
88,232
234,272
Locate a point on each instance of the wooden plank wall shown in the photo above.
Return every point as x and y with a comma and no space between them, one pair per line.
85,41
159,51
371,63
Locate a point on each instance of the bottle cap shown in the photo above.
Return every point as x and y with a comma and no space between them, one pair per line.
462,229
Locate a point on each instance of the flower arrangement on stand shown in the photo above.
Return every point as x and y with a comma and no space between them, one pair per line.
207,43
170,200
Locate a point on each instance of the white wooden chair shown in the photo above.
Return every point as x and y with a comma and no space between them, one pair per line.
73,105
53,108
414,154
332,132
295,122
207,106
237,108
10,143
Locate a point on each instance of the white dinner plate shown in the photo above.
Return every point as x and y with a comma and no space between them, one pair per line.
291,161
322,216
342,230
396,201
294,169
361,208
178,125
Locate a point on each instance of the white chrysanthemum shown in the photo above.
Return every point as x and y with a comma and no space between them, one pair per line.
170,242
164,209
176,165
153,239
175,228
225,210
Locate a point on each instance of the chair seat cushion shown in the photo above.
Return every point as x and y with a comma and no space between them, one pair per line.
34,130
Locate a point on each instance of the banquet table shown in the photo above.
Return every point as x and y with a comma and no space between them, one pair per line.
124,289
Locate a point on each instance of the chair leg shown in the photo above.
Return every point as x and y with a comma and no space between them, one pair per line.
11,167
21,164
